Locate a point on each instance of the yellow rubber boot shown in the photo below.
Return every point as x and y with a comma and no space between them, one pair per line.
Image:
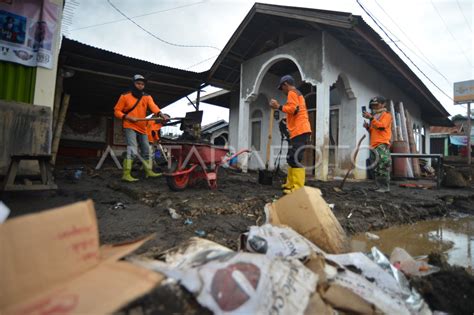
147,165
299,178
289,180
127,169
292,179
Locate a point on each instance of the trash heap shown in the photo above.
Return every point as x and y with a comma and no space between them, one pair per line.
296,263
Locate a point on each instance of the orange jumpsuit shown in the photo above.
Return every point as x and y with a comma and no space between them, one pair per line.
297,120
153,131
126,102
380,130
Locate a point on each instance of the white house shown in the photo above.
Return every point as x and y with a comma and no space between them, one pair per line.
339,63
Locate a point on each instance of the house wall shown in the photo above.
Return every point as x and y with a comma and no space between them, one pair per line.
45,84
321,61
43,97
364,82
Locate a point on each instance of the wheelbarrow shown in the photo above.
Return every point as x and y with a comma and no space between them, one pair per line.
190,162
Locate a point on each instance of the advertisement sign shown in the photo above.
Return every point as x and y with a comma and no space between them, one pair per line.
27,29
464,92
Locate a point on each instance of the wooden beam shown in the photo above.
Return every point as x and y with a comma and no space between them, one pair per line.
110,75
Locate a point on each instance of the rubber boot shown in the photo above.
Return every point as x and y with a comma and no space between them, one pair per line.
377,184
289,180
147,165
298,176
127,169
384,185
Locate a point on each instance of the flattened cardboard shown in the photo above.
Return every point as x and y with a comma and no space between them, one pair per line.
306,212
51,262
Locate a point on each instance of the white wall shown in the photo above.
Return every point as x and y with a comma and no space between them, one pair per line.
365,82
321,60
45,84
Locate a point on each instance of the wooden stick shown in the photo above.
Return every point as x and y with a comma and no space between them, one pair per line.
269,143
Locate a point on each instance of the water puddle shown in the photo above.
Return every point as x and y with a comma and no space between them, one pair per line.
452,236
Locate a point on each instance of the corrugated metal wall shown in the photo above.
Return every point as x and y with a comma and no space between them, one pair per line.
17,82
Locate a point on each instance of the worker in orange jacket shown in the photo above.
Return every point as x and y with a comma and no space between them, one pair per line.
380,129
131,107
299,129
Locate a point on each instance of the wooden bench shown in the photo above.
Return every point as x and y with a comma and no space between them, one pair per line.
47,181
439,168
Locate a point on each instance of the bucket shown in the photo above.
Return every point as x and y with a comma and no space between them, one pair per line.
265,177
400,165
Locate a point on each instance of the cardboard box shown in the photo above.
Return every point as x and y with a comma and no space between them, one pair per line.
51,262
306,212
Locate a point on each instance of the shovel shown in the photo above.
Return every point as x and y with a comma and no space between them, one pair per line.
265,177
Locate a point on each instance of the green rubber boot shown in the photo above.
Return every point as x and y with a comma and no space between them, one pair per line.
127,170
148,166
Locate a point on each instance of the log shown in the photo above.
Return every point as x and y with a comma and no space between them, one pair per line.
394,122
403,124
411,141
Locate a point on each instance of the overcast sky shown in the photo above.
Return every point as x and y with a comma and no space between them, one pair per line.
436,34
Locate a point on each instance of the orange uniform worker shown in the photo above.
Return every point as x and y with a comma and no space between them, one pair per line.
299,128
130,107
380,129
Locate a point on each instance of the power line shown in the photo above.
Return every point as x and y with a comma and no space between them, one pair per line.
427,61
449,31
414,64
465,18
202,61
155,36
136,16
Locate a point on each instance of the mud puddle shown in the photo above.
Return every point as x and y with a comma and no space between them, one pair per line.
453,236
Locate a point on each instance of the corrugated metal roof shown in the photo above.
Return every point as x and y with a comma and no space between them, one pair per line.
259,33
101,76
210,128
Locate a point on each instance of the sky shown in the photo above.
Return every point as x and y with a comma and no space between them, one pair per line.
437,35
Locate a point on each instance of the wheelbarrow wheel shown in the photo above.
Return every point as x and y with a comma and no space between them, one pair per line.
179,182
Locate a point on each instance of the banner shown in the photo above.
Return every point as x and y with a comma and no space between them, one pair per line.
27,29
460,140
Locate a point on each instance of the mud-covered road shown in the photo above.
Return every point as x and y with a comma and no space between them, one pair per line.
224,213
126,211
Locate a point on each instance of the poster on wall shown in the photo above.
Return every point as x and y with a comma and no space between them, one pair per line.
27,29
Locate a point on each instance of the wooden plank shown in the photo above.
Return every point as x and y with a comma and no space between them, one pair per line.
412,143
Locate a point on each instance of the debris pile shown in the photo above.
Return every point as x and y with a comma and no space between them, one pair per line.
296,263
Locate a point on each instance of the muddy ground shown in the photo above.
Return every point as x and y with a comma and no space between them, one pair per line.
222,214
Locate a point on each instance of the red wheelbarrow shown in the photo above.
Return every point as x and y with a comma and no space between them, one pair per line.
191,162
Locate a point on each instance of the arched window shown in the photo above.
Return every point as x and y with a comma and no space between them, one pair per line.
256,129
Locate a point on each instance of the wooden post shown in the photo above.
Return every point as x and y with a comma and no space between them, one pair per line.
198,99
59,127
57,99
469,133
